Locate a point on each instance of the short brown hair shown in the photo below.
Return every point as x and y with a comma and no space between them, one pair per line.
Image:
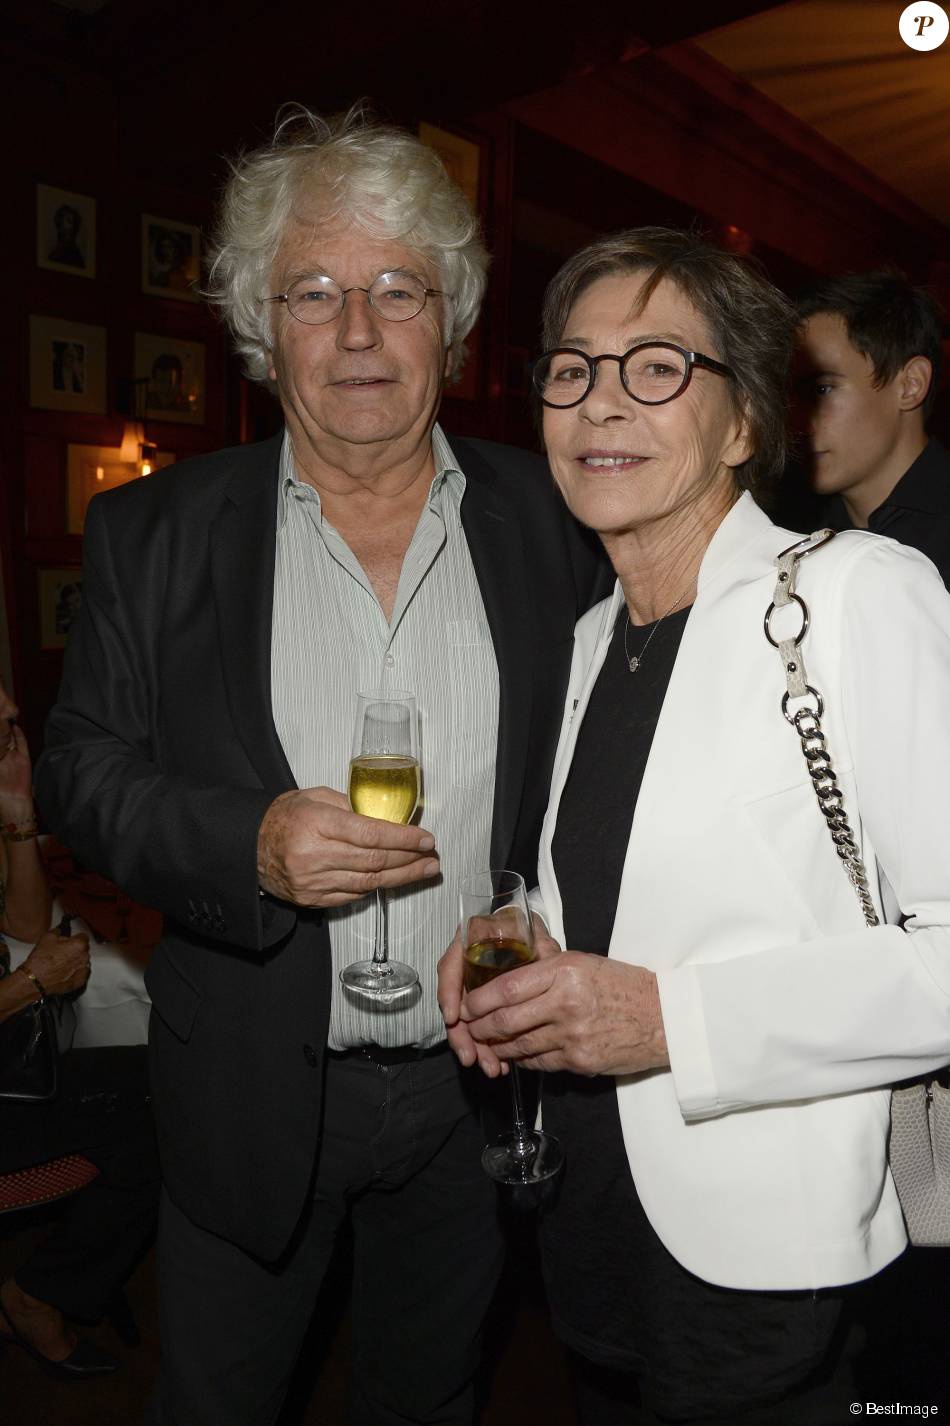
752,323
888,320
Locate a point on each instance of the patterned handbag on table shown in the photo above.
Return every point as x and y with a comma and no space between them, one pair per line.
919,1145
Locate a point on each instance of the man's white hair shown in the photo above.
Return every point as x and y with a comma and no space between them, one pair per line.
381,178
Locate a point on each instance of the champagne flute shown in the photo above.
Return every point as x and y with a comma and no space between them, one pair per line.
384,783
497,936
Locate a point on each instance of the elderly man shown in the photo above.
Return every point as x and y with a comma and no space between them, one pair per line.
233,607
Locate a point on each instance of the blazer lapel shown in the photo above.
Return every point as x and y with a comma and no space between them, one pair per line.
493,533
243,551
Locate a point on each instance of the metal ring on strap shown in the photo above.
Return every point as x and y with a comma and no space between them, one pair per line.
809,544
792,598
815,713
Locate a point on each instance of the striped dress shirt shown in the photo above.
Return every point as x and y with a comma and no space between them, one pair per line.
330,641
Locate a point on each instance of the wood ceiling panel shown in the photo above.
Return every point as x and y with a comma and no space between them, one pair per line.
841,67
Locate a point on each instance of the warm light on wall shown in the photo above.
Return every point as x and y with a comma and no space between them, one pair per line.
91,469
133,434
136,449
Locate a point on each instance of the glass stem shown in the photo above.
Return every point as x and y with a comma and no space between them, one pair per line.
519,1126
381,949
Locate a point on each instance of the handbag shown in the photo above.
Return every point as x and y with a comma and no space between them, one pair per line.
29,1052
919,1141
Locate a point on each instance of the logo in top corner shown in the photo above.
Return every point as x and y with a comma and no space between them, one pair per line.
924,25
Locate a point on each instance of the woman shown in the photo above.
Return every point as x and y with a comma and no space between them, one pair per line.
720,1043
101,1111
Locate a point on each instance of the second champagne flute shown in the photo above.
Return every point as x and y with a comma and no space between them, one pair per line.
497,936
384,783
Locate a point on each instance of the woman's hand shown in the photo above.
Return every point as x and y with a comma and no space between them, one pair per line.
450,992
60,963
575,1011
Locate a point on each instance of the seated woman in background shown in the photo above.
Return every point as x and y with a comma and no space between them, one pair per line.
720,1046
101,1111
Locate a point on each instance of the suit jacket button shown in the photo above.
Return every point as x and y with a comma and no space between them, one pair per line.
311,1056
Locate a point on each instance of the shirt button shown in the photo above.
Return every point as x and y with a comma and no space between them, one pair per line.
389,660
311,1056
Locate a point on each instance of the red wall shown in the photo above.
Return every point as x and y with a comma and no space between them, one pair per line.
664,137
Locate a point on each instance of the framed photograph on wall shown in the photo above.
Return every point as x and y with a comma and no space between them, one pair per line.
60,599
65,231
461,158
91,469
176,378
67,365
171,258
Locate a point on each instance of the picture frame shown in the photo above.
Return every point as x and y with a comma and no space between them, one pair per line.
67,365
91,469
65,231
60,599
175,371
461,157
171,258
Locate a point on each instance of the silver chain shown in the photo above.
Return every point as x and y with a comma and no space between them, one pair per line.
807,720
635,660
831,801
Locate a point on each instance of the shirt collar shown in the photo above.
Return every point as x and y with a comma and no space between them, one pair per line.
448,477
924,485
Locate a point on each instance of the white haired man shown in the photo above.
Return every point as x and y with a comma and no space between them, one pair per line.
233,606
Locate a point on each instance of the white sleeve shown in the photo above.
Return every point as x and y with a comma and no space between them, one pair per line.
850,1011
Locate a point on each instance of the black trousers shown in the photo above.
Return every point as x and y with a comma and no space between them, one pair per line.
102,1112
605,1397
399,1157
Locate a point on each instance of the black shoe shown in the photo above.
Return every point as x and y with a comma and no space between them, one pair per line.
85,1359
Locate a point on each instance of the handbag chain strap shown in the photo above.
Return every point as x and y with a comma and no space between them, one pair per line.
806,717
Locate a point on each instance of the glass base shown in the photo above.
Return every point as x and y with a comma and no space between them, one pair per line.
381,980
532,1159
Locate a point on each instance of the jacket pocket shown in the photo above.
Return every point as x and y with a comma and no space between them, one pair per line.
174,998
795,834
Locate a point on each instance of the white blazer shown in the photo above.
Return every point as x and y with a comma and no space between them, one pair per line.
760,1158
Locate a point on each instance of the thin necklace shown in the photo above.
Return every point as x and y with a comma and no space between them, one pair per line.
635,660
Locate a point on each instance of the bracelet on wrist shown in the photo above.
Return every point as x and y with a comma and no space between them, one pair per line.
18,831
37,983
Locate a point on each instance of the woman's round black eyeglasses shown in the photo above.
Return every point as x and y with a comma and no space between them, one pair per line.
652,373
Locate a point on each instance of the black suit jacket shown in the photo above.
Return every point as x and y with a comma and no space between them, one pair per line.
162,757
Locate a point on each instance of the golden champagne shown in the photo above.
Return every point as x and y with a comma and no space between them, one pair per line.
385,786
486,959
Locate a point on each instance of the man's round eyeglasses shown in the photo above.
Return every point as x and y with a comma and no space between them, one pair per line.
652,373
397,296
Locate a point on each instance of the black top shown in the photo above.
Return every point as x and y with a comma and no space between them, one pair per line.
617,1296
596,1235
917,511
612,748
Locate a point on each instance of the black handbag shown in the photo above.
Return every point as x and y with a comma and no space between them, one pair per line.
29,1052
